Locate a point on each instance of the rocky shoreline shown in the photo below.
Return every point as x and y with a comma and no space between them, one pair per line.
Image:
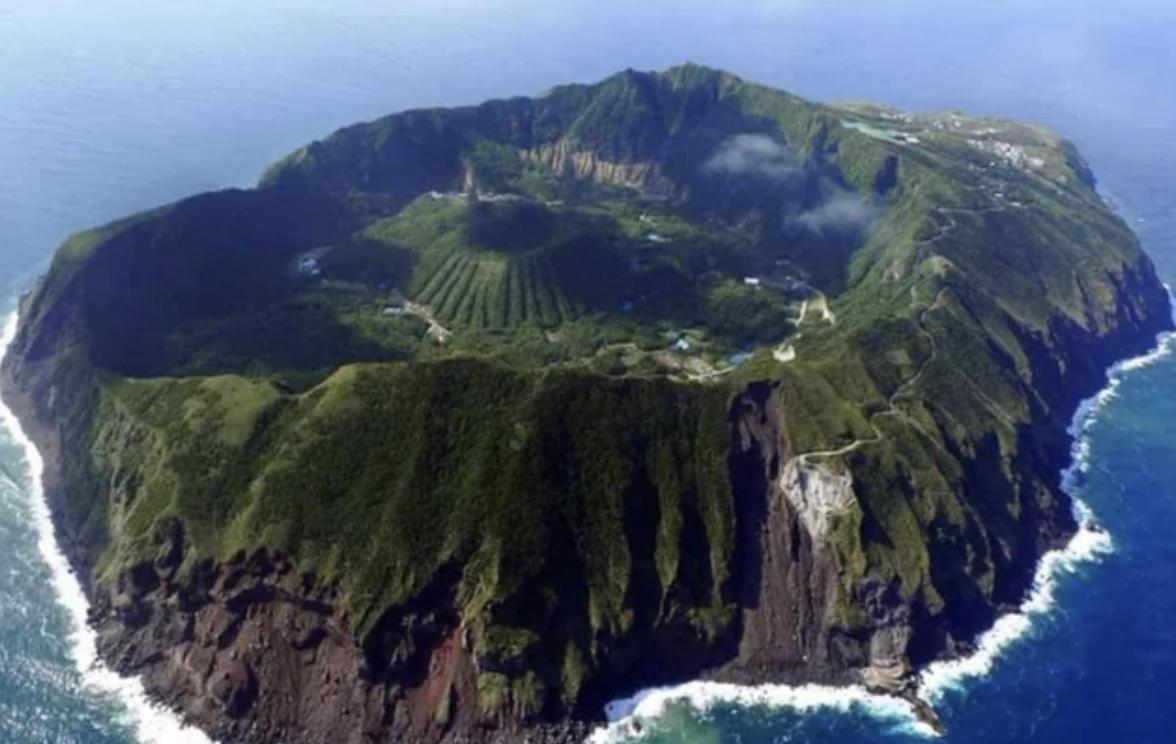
188,637
298,541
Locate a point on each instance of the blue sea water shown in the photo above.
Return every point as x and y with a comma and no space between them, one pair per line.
116,105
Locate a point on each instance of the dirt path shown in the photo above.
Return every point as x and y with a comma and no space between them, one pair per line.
436,330
803,312
891,402
712,375
951,222
892,408
818,304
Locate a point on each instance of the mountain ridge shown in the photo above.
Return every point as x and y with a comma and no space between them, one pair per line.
432,418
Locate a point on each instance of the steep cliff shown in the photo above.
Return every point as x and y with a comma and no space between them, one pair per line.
465,422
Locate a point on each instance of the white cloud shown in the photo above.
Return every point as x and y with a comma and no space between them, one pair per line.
753,154
843,212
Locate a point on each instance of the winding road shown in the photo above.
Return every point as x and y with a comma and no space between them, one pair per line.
891,402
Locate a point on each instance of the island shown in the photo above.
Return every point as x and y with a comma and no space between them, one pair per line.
464,422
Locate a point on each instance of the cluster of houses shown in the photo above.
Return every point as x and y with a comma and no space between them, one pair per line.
787,284
309,265
474,195
684,343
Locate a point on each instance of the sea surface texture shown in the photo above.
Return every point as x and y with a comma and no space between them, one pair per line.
112,107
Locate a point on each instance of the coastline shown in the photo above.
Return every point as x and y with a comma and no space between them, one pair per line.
157,723
626,716
1088,545
152,723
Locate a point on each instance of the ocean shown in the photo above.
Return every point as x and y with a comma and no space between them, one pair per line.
114,106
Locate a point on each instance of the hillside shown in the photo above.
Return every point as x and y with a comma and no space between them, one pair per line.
466,421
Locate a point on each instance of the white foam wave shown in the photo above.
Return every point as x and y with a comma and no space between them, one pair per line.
152,724
1163,348
627,716
1087,545
156,725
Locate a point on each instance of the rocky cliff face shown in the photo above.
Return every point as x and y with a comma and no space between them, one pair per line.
465,551
254,651
565,157
789,578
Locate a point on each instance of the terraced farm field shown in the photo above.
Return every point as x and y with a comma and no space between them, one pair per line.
499,265
496,293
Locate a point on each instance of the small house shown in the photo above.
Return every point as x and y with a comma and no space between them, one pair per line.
393,310
681,344
752,281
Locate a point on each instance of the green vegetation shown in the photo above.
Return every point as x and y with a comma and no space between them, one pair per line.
383,474
455,343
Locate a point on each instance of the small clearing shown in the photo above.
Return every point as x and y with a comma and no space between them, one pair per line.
437,332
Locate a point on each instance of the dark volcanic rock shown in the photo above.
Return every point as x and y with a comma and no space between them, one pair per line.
910,521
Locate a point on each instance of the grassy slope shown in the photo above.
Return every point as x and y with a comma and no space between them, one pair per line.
382,475
584,491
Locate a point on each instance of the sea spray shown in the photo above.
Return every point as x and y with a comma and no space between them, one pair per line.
627,717
1087,545
152,724
156,725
